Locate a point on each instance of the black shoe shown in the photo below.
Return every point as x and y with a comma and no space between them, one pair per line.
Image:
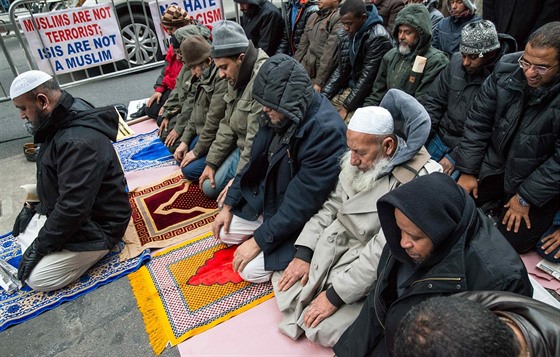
140,113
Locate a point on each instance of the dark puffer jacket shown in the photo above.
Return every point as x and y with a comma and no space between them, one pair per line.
80,181
450,96
288,187
463,258
359,61
506,133
263,25
396,69
290,38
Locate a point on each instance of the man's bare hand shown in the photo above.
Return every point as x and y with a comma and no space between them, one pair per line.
515,214
163,127
319,309
207,174
551,242
447,165
154,98
223,219
246,252
180,152
189,157
171,138
469,183
296,270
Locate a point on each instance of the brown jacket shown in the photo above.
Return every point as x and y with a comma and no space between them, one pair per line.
317,49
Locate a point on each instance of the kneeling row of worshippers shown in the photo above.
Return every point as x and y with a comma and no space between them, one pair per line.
354,225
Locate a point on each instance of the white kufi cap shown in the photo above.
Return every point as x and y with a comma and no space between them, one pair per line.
372,120
27,81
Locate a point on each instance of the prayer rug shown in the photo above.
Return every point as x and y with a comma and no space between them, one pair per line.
25,304
168,212
187,289
142,152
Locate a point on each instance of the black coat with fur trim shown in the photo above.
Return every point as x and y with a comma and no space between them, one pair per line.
80,181
288,187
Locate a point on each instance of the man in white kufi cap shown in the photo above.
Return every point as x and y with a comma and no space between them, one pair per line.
83,207
341,242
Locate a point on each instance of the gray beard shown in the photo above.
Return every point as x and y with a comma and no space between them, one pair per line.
361,181
404,49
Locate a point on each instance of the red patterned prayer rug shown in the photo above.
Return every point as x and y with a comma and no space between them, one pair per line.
187,289
167,213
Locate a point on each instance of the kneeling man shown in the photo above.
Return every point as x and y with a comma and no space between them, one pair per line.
83,208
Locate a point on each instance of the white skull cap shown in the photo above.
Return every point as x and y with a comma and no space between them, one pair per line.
27,81
372,120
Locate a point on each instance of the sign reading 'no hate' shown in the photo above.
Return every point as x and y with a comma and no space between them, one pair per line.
73,39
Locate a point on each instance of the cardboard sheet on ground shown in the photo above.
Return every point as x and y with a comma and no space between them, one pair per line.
264,339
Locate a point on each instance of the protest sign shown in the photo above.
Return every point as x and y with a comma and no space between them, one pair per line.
205,11
73,39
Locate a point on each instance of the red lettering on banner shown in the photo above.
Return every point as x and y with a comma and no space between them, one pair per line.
209,16
102,13
81,16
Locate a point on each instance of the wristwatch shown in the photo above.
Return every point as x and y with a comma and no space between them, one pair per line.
522,201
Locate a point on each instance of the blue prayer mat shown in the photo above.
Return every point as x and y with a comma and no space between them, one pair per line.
25,304
142,152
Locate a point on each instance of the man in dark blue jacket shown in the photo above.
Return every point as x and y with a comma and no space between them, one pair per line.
83,208
292,169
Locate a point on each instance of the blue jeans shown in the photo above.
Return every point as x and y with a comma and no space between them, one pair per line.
438,150
194,169
225,172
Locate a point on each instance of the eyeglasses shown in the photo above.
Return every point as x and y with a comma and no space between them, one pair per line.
540,69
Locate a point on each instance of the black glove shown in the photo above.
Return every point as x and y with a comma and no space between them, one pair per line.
23,219
29,260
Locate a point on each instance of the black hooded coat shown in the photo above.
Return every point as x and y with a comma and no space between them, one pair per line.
288,182
465,246
80,181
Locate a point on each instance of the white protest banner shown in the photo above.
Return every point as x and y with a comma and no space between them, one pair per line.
205,11
74,39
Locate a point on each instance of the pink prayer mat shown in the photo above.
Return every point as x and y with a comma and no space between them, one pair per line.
264,339
546,280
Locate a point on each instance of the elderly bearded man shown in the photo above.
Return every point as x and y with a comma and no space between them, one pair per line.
338,249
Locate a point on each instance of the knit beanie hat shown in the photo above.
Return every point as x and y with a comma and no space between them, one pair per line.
478,38
195,50
228,39
175,16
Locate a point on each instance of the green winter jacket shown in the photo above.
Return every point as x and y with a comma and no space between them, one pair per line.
208,109
240,124
396,69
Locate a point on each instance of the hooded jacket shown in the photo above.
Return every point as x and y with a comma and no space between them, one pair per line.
262,24
359,61
240,122
290,185
294,30
396,69
463,258
318,48
506,131
80,182
537,320
435,15
450,96
447,34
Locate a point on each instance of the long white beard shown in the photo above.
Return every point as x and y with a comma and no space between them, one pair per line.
361,181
